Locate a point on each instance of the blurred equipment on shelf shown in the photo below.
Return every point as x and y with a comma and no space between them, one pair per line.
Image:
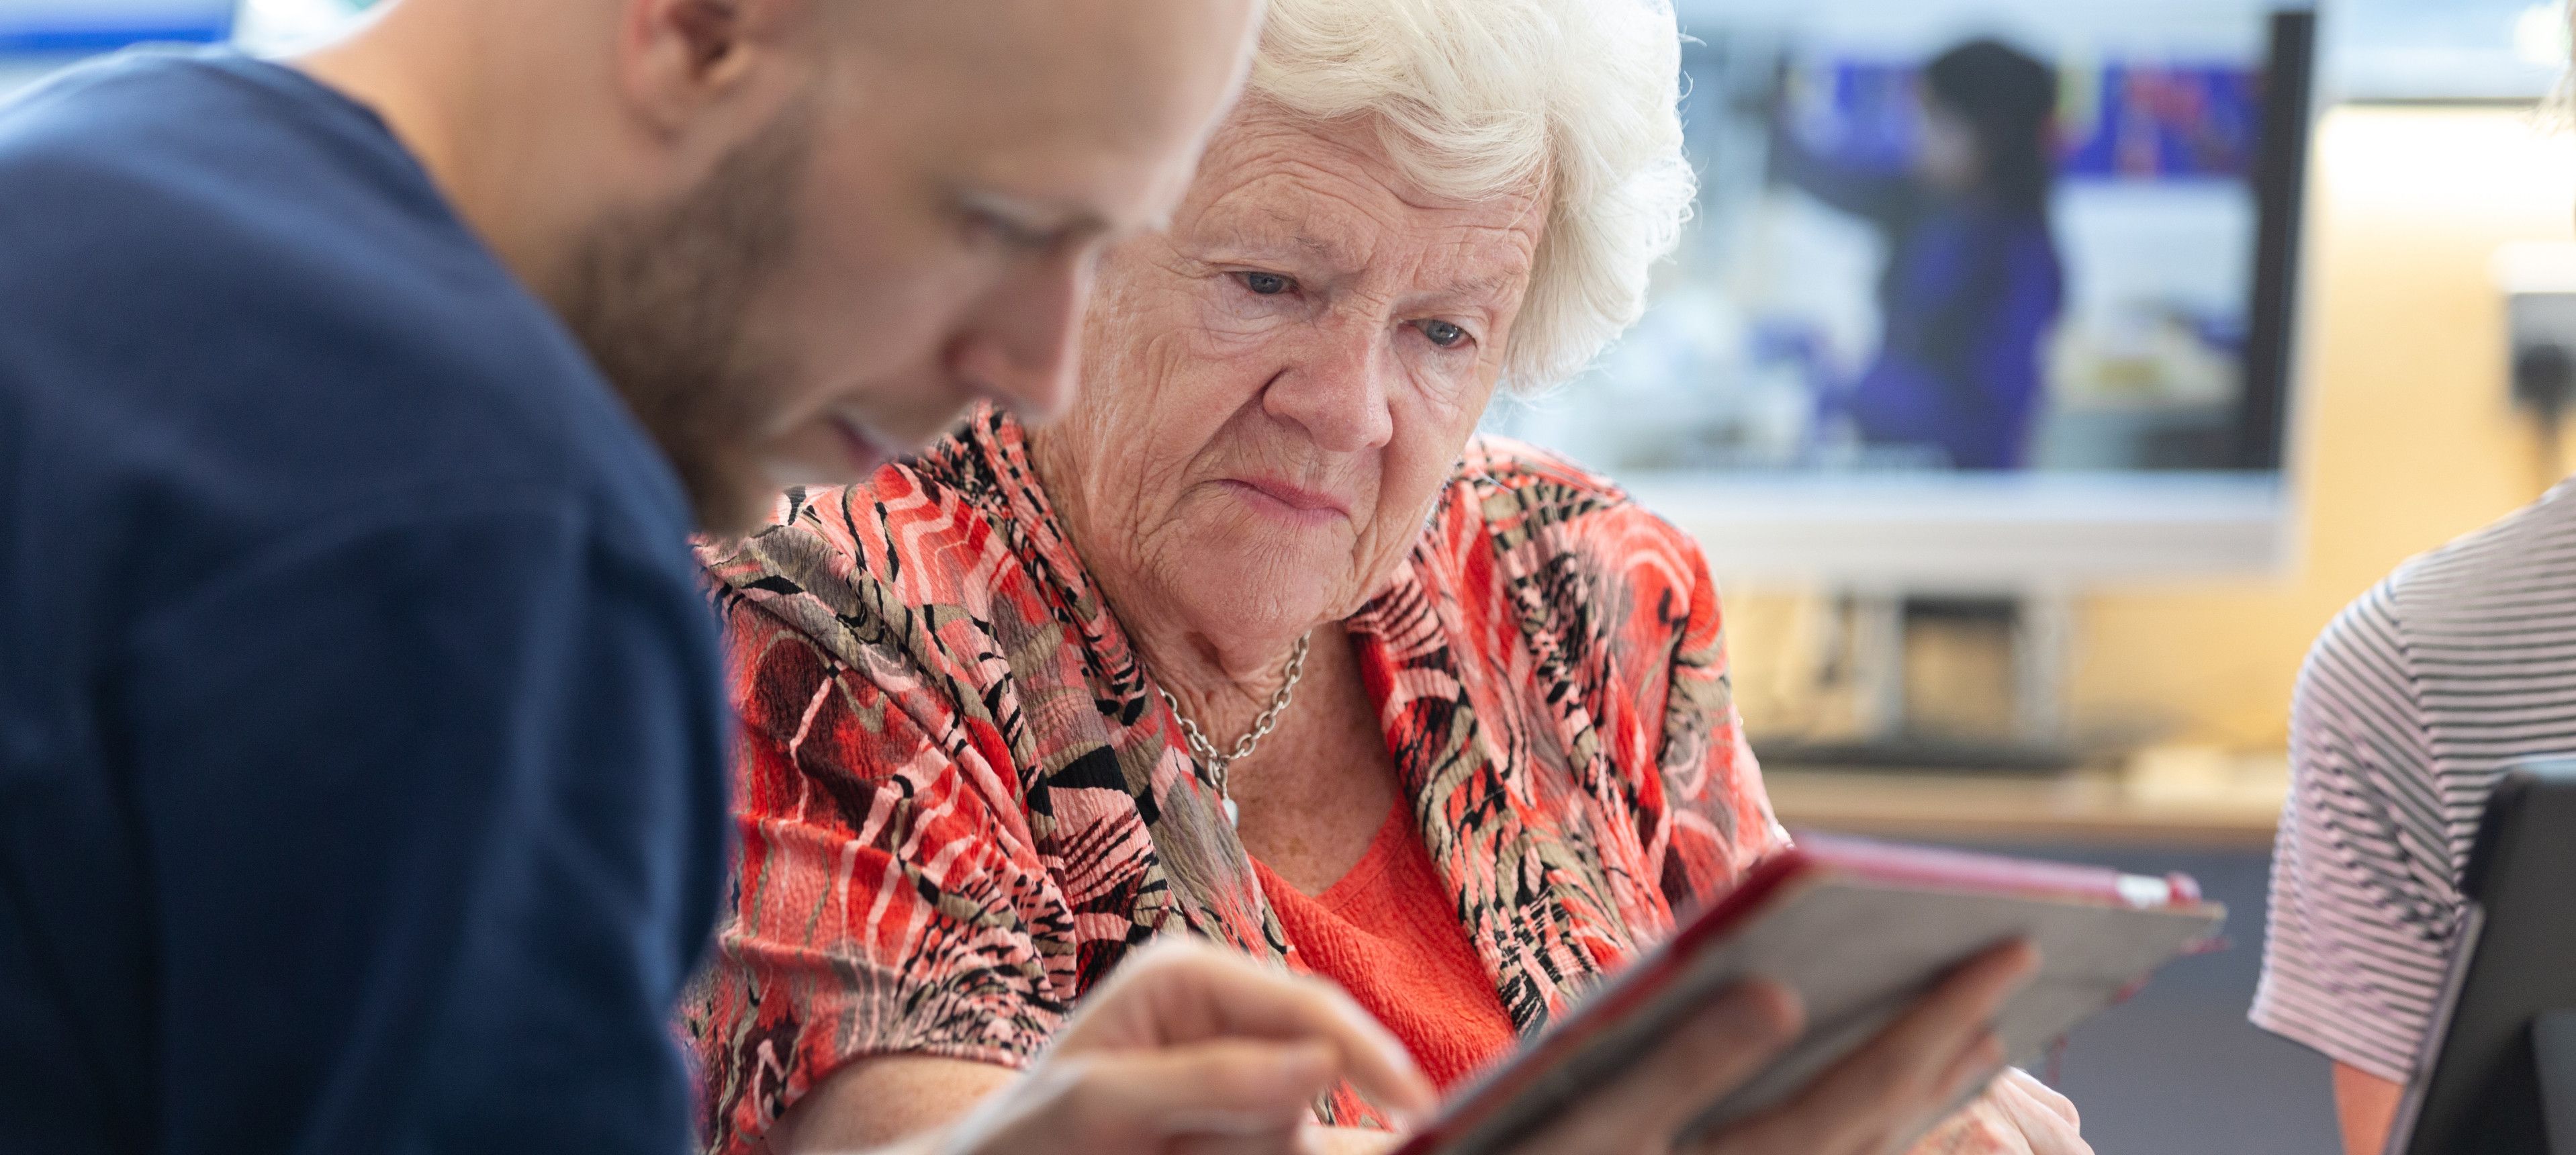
2538,280
1934,683
2162,796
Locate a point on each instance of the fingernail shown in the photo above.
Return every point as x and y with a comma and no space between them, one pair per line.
1769,1014
1392,1049
1305,1064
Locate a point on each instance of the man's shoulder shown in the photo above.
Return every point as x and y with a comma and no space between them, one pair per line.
225,279
170,201
2425,641
87,114
2520,558
152,145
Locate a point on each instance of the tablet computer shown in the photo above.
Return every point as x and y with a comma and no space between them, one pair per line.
2495,1074
1860,930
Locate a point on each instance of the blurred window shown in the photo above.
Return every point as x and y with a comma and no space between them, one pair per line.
2444,49
270,27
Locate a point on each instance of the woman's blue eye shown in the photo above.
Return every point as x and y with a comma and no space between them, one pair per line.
1266,284
1443,334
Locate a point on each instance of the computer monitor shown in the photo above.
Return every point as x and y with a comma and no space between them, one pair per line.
2498,1072
1982,296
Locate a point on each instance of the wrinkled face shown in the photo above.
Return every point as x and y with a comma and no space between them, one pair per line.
1277,387
914,233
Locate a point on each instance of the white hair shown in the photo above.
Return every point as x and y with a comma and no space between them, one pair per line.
1474,98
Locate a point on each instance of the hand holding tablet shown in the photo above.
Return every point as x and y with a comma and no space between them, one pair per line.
1844,999
1872,1101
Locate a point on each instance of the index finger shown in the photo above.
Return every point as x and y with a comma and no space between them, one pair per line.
1178,992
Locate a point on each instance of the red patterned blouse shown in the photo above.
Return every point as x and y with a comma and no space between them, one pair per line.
962,803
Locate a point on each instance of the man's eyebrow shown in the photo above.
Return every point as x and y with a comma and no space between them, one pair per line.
1054,218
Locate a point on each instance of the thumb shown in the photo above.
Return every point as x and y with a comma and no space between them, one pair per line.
2024,1085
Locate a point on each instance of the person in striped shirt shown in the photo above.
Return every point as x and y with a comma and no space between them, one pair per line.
2412,705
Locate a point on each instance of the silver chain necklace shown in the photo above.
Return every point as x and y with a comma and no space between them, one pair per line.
1206,752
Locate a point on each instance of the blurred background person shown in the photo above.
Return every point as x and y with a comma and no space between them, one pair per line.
1972,283
2413,704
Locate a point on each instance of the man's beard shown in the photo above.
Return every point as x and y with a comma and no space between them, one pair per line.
661,300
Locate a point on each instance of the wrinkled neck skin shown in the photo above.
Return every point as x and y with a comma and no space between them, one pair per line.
1223,674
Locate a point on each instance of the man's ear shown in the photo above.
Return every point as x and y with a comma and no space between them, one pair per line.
677,57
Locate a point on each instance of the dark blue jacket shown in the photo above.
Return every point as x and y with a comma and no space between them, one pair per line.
361,782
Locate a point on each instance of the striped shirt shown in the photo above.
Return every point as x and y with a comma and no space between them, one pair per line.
2414,702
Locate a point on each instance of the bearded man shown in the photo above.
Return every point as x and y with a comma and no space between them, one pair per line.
362,779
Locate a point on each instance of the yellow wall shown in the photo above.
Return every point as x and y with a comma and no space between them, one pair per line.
2404,438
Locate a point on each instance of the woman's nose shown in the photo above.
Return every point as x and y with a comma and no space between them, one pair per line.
1023,348
1336,388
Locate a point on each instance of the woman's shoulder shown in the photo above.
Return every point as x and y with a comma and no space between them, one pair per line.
1602,621
825,544
921,540
1537,507
1493,459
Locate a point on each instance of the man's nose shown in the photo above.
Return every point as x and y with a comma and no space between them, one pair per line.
1024,344
1336,390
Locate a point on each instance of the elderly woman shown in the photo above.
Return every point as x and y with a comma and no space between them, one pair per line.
1261,643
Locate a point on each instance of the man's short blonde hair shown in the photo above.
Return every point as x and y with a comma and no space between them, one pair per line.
1474,97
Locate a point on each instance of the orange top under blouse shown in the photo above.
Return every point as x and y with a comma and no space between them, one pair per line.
1388,932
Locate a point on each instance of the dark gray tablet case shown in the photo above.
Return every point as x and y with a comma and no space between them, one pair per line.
2499,1068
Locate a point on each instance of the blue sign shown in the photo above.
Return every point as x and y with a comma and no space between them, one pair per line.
57,27
2124,120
